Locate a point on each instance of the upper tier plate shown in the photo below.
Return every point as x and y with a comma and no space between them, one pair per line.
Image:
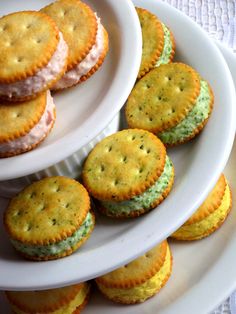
85,110
198,165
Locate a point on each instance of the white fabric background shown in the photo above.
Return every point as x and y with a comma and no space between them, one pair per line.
218,19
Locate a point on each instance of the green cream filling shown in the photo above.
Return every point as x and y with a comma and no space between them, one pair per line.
146,199
167,49
59,247
196,117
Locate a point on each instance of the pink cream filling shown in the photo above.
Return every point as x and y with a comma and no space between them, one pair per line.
36,134
73,76
35,84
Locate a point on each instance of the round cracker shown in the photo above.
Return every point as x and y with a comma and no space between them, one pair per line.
138,271
137,299
32,146
163,97
210,206
123,165
78,24
211,203
45,300
47,211
28,40
153,40
16,120
206,232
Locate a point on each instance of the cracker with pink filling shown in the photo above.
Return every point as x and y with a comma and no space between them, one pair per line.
85,36
24,125
33,55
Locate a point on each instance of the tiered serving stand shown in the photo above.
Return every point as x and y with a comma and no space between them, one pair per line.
88,113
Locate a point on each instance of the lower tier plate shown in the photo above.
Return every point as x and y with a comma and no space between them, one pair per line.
202,270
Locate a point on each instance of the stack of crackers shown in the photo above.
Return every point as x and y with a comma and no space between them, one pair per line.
58,47
127,174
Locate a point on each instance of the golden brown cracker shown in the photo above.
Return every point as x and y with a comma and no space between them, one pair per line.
163,97
211,203
47,211
153,40
78,24
22,56
137,271
202,223
119,299
45,300
29,147
123,165
16,120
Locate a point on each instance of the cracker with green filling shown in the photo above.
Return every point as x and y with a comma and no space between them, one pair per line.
172,101
49,219
128,173
158,42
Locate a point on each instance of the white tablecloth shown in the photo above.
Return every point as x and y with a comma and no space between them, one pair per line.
217,17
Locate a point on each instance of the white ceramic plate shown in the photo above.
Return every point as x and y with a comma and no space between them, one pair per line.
85,110
204,273
198,166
